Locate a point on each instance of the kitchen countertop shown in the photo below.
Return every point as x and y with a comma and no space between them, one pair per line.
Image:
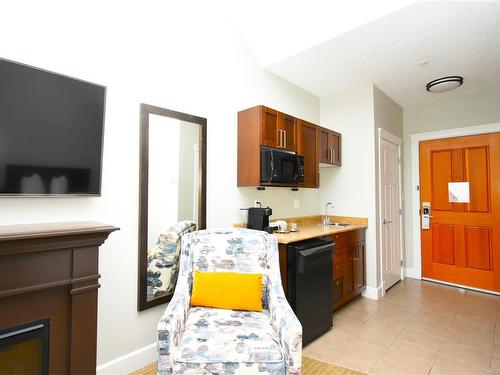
311,227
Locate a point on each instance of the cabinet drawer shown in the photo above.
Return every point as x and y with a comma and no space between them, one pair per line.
347,238
338,256
338,270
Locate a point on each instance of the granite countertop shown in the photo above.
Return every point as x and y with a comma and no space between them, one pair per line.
311,227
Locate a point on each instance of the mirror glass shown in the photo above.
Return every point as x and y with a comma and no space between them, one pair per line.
173,174
172,190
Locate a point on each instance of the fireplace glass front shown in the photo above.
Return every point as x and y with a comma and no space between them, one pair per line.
24,349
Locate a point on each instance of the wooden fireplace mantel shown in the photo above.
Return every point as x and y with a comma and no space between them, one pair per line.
50,270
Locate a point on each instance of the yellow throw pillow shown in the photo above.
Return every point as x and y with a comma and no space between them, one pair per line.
227,290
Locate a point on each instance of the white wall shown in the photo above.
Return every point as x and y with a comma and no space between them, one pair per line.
352,186
388,114
189,60
478,109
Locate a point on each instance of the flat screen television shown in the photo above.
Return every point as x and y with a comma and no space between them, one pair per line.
51,133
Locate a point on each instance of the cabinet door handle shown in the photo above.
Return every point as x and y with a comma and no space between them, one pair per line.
280,133
337,283
333,155
284,137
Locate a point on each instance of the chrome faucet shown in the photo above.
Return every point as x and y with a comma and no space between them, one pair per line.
326,219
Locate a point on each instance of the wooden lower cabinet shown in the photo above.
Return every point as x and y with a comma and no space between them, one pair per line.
360,265
348,260
283,259
337,290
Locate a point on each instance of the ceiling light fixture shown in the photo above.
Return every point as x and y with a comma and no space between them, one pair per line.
445,84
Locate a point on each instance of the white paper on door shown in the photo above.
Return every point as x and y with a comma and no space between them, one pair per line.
458,192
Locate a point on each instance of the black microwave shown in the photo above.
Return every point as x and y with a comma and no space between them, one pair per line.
280,167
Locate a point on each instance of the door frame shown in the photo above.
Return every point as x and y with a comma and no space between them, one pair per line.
415,139
384,134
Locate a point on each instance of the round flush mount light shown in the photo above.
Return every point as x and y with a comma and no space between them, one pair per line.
445,84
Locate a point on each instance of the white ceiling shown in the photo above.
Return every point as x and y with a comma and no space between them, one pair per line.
454,38
277,29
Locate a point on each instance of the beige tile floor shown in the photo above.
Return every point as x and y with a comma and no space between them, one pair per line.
417,328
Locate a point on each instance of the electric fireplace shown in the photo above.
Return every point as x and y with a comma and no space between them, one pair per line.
48,297
24,349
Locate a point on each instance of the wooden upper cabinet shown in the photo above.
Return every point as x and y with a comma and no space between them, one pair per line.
307,146
263,126
289,127
324,146
337,148
329,145
270,134
249,141
278,129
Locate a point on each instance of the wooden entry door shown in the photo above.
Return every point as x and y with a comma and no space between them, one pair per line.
462,244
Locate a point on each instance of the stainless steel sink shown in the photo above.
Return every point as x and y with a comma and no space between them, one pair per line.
340,225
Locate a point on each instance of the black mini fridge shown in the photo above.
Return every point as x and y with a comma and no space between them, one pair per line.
310,285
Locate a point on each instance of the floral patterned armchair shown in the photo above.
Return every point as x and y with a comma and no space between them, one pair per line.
163,259
200,340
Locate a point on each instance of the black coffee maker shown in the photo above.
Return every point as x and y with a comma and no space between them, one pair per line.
258,218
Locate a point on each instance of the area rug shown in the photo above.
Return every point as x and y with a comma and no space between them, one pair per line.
313,367
309,367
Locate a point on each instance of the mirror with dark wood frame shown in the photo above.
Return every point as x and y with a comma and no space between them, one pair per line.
172,188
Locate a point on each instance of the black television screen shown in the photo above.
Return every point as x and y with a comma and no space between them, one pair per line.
51,133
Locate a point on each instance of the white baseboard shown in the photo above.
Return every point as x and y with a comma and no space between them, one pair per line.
129,362
412,273
373,293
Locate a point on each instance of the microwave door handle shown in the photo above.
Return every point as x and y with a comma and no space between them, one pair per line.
296,167
272,166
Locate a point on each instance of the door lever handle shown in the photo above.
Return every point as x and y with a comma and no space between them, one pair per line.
386,221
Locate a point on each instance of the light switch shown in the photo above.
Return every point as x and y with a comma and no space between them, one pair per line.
296,203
